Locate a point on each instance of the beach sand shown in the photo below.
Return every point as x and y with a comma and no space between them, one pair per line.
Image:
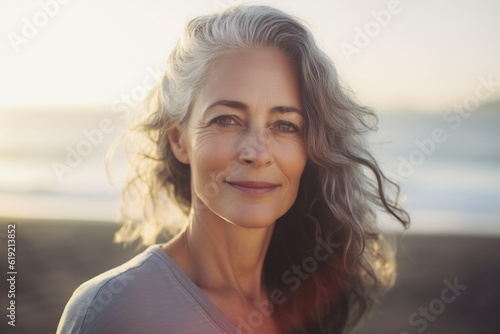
54,258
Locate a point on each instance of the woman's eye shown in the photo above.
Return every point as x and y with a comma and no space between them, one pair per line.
224,121
287,127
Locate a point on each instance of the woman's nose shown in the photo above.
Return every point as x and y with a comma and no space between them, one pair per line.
255,149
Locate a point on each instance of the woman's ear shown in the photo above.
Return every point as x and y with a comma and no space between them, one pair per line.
178,144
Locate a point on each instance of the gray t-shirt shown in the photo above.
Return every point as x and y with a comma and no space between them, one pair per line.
148,294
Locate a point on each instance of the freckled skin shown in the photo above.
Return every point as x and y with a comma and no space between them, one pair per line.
247,145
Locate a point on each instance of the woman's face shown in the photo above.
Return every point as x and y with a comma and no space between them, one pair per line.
244,139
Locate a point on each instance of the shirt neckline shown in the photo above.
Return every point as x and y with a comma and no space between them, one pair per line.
194,291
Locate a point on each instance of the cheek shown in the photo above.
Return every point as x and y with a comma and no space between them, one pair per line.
211,155
293,158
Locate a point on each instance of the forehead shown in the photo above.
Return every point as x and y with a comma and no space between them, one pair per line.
260,75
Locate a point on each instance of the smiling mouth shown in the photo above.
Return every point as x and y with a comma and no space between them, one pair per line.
251,187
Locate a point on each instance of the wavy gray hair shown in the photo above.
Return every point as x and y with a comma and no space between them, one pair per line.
341,190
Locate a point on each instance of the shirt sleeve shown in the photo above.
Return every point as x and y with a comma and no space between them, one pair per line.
105,304
75,312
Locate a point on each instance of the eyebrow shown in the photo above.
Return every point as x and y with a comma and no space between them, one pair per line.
244,107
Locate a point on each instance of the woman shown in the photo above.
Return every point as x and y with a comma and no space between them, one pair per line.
253,138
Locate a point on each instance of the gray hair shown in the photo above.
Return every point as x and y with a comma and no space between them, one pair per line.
341,187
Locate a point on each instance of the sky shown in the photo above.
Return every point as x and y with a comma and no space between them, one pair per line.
394,55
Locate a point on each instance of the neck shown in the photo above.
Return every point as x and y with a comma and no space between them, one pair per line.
218,255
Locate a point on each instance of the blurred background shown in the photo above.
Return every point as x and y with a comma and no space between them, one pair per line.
70,71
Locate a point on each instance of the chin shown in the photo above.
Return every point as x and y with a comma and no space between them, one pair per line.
252,224
252,220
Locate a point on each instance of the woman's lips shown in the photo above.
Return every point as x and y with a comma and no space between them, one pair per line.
252,187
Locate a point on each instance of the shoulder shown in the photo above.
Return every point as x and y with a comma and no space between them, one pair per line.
100,301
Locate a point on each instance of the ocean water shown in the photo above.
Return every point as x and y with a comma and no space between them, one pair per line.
451,186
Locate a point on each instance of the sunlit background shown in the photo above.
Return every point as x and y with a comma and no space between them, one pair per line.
431,69
70,70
